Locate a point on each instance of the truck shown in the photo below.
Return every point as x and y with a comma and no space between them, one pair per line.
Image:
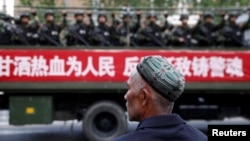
41,85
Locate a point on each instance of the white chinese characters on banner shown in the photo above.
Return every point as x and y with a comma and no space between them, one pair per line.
234,67
200,66
217,66
57,67
130,64
75,66
89,68
183,65
40,66
22,66
5,63
214,66
106,66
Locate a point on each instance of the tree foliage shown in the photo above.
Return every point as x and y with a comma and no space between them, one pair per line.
170,3
26,2
148,3
222,3
38,2
47,2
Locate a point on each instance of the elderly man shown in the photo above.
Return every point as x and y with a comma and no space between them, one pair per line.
153,87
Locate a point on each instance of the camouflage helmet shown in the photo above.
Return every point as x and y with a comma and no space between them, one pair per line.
49,12
102,14
24,14
233,14
78,13
126,14
151,14
2,15
208,15
183,16
7,17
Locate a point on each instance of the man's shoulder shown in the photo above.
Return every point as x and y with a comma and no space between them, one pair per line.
129,136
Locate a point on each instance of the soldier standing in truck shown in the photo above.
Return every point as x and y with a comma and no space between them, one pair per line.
49,31
24,33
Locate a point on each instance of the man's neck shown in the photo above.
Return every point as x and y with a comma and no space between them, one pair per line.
151,112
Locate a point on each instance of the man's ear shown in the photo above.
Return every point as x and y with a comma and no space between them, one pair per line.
145,96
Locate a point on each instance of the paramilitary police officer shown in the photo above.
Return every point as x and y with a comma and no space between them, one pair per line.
78,32
23,33
182,35
206,32
5,30
232,32
103,34
151,34
126,32
49,31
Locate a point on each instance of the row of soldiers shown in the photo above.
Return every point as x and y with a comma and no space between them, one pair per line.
130,31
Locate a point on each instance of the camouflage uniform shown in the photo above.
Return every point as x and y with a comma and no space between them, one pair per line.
127,31
152,34
78,32
206,32
5,30
102,35
24,34
232,33
49,31
181,36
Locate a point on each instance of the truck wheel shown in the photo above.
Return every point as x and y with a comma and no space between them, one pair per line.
104,121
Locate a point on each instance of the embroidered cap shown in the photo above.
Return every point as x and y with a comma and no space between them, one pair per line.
162,76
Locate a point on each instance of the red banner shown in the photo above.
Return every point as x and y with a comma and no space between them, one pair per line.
116,65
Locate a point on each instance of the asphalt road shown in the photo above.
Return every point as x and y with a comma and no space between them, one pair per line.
72,131
58,131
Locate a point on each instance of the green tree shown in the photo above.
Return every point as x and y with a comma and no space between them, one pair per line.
40,2
47,2
26,2
222,3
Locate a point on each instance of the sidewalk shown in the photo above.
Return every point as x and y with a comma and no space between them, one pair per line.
4,117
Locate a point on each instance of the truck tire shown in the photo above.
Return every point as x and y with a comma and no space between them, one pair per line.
104,121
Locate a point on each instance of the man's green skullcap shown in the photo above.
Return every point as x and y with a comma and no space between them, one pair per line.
162,76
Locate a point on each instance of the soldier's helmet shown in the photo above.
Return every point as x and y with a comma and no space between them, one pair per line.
49,12
79,13
208,15
183,16
24,14
233,14
102,14
126,14
151,14
2,15
7,18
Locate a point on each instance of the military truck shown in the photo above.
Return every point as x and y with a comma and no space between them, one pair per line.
39,86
